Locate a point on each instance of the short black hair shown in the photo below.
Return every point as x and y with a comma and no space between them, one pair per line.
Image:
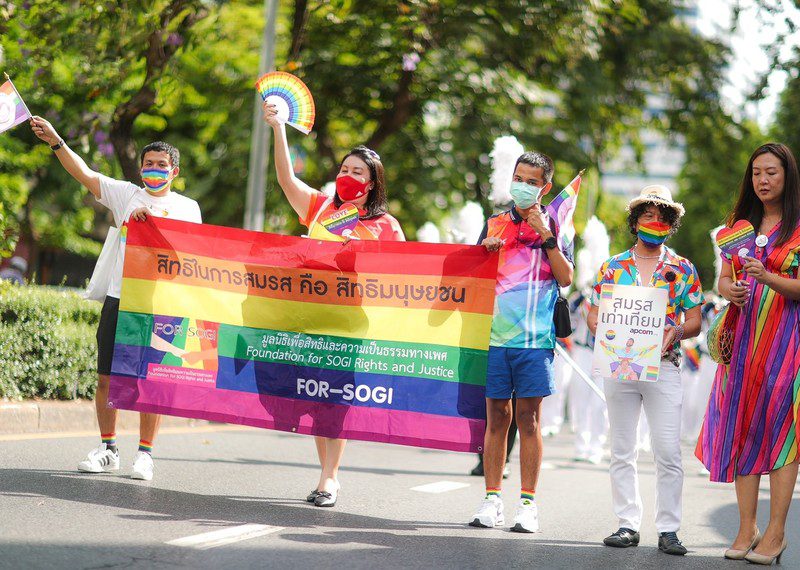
161,146
670,216
538,160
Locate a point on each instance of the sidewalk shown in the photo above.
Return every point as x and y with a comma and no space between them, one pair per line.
53,416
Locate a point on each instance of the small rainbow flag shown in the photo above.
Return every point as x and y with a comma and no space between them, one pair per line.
651,374
561,209
654,232
607,292
692,357
12,108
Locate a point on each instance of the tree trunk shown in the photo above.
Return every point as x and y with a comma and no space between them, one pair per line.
157,55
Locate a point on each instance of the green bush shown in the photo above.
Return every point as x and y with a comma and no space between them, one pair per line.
47,343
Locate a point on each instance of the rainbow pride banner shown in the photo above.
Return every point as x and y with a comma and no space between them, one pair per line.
377,341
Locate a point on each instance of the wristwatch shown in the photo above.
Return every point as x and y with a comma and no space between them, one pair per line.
549,243
58,145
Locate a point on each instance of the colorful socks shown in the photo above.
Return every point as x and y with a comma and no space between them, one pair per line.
492,492
146,446
110,439
527,495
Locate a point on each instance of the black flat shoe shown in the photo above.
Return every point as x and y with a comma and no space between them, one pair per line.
623,538
312,496
325,499
477,471
668,543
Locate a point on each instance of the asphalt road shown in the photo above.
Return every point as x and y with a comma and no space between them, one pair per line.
221,479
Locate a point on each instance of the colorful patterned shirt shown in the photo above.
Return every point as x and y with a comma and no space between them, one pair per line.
382,228
526,290
674,273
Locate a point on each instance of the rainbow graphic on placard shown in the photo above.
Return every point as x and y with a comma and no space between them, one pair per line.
607,292
292,98
739,237
341,222
651,375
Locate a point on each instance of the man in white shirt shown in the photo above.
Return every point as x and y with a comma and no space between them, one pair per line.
159,167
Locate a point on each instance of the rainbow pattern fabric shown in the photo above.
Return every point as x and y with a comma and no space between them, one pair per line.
751,423
654,233
380,341
292,98
562,208
13,110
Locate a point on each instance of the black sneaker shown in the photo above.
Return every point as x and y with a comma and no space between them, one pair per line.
477,471
668,542
623,538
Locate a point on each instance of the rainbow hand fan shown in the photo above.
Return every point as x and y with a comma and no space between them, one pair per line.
291,97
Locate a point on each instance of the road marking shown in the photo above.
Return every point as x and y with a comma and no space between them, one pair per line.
224,536
440,487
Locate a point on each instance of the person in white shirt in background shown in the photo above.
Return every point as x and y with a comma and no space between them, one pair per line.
587,411
554,407
159,168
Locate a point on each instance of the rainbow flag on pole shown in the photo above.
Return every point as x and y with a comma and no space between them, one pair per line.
562,208
12,108
377,341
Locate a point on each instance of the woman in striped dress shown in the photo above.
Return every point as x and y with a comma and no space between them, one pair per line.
751,427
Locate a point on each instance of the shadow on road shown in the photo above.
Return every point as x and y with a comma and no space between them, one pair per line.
170,505
315,466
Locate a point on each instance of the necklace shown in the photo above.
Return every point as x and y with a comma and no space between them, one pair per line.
637,256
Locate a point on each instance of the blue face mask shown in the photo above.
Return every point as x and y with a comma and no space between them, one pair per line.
524,195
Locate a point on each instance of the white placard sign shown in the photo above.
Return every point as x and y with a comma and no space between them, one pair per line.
630,330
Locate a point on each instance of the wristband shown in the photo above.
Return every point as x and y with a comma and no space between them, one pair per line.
678,333
58,145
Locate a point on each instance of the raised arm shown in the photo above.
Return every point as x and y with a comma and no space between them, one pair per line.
71,162
297,192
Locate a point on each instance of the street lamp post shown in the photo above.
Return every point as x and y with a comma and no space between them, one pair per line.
260,136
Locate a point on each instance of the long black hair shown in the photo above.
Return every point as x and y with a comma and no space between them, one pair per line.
376,200
749,207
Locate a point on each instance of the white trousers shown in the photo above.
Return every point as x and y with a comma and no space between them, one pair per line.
587,411
661,401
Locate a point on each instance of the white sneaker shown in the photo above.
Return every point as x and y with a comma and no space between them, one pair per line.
527,519
142,466
490,513
100,460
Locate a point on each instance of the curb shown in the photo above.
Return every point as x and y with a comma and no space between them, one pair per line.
42,416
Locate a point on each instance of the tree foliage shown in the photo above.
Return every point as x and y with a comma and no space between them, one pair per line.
428,84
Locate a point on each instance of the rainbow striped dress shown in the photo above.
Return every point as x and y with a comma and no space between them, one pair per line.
751,423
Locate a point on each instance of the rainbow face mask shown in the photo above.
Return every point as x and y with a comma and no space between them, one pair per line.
653,233
155,179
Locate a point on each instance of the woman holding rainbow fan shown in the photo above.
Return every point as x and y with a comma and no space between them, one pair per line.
652,218
751,426
360,187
